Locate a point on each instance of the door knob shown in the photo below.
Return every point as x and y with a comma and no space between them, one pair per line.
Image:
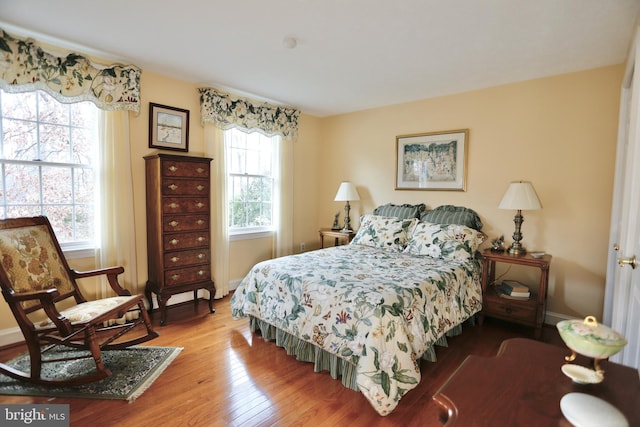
628,261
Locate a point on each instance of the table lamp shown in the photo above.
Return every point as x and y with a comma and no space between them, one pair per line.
347,192
519,196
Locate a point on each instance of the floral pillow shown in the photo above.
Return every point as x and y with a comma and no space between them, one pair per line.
384,232
445,241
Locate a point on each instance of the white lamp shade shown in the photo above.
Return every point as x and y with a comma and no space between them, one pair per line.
347,192
520,196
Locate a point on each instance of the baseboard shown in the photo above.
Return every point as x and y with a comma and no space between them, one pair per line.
552,318
10,336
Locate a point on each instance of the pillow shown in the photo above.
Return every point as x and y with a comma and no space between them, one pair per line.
384,232
448,214
453,242
399,211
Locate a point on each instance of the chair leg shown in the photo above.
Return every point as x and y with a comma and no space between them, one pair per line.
94,348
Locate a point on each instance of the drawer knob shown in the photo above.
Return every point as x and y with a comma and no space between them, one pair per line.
173,187
173,205
200,222
201,239
175,277
173,168
200,170
201,256
173,223
200,187
175,259
200,205
201,273
174,242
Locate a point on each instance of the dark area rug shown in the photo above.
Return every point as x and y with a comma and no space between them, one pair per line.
133,371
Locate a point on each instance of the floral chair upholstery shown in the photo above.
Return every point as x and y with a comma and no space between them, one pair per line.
36,280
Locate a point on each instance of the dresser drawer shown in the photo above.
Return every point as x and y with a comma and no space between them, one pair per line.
182,276
185,204
185,187
184,258
185,169
185,240
185,222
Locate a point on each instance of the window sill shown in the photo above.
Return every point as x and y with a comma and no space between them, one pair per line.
248,235
77,253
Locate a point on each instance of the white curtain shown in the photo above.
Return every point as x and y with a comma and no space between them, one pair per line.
214,147
115,207
283,206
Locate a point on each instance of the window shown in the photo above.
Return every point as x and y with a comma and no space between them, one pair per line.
47,155
250,170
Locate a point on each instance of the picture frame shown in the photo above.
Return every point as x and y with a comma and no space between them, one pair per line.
432,161
168,127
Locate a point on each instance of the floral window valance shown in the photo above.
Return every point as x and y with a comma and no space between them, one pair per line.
226,112
25,66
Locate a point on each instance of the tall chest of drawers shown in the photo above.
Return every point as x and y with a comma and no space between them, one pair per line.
178,228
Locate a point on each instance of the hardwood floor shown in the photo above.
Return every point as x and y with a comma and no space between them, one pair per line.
227,376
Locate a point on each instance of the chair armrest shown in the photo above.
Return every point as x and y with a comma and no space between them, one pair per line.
45,296
112,276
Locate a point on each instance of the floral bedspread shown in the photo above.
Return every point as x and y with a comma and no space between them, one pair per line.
376,308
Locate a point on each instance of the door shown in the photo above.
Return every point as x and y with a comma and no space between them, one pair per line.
622,294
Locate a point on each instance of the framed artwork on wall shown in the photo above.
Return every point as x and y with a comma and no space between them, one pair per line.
168,127
432,161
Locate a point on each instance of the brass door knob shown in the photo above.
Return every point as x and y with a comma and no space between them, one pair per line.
627,261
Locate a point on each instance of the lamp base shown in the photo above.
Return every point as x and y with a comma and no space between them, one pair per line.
516,250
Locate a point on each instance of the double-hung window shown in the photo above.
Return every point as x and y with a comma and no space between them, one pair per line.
251,182
48,153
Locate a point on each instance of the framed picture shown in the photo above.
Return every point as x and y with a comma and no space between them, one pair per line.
432,161
168,127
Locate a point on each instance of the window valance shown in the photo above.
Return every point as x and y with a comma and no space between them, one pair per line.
226,112
25,66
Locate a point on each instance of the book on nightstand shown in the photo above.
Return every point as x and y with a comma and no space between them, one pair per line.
512,289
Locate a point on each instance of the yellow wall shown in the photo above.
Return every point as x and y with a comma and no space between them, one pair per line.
558,132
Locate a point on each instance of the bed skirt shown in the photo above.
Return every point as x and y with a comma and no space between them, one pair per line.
323,360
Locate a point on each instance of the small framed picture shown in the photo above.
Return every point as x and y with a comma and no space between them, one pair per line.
168,127
432,161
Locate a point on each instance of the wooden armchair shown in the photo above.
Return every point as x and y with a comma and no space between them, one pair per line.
43,295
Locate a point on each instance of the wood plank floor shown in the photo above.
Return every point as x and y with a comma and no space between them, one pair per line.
227,376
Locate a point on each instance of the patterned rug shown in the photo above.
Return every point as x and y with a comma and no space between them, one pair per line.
133,371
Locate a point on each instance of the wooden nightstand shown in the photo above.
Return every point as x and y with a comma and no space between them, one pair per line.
529,312
340,237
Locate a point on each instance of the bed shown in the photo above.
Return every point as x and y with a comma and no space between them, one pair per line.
368,311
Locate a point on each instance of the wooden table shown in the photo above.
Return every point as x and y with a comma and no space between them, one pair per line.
341,237
530,312
523,385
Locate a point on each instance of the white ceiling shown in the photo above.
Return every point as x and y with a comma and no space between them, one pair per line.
350,54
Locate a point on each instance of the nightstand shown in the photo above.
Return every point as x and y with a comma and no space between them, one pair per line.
340,237
529,312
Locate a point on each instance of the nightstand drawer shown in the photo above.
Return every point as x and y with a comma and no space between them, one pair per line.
523,311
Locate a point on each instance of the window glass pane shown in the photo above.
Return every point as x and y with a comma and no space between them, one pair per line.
84,220
82,141
54,144
19,105
61,218
22,184
84,185
21,210
52,111
56,185
19,139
